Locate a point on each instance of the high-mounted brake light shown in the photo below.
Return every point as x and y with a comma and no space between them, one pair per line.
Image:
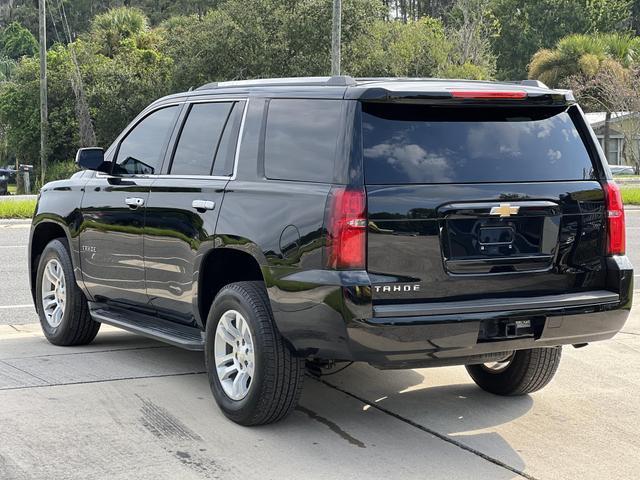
490,94
616,244
346,226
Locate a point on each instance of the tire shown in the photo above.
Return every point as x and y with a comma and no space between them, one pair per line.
277,374
75,326
527,371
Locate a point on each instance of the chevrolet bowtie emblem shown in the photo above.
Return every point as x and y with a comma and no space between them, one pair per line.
505,210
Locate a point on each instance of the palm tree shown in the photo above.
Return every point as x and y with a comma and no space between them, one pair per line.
109,29
577,59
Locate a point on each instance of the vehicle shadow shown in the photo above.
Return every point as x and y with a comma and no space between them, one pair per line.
461,412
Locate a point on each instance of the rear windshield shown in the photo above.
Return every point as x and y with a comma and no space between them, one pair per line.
427,144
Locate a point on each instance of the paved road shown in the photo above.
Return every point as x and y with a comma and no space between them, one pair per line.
128,407
16,305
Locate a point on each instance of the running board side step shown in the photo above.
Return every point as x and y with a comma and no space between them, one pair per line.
183,336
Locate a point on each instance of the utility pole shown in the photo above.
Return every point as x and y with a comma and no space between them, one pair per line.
44,114
336,33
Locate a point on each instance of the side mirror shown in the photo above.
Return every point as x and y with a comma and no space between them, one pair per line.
92,158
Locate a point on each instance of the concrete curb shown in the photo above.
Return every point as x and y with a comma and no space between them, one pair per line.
12,198
15,221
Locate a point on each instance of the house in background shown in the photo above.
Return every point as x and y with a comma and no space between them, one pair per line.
623,125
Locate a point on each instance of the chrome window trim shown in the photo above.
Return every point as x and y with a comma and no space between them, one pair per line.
233,175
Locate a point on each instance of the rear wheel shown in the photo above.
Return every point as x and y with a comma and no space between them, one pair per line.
254,377
62,307
524,371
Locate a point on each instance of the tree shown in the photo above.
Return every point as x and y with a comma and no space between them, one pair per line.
584,56
582,62
258,38
411,10
618,91
471,26
19,109
16,41
111,29
117,87
7,67
527,26
420,48
397,49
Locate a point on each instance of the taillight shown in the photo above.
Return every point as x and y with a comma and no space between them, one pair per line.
490,94
616,244
346,226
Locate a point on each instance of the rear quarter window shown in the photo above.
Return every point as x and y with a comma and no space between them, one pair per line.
301,137
427,144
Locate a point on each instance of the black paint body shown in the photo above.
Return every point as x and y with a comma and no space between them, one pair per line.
167,259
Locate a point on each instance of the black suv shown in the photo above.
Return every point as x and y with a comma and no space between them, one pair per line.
292,223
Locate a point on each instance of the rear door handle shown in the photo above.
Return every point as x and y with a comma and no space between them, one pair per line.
202,205
134,202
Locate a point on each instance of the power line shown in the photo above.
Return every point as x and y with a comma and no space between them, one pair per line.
87,133
53,22
63,20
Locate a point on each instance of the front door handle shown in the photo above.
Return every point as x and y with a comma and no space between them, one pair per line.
202,205
134,202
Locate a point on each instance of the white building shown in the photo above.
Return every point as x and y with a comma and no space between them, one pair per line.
620,123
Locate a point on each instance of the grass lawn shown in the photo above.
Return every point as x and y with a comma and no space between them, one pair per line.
17,208
630,195
12,189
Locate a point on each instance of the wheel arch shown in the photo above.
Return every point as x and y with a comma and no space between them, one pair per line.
41,235
220,267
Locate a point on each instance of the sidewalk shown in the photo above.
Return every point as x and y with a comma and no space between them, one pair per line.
9,198
14,221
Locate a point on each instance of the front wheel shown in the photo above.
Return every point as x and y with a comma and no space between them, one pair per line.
62,307
254,377
524,371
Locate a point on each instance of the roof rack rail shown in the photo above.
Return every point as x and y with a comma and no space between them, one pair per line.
335,81
532,83
341,81
207,86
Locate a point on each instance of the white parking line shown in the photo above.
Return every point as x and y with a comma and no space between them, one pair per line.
13,246
9,307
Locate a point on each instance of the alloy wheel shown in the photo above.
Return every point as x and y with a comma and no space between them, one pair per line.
54,293
234,355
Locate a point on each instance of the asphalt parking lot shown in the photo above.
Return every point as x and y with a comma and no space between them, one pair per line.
126,407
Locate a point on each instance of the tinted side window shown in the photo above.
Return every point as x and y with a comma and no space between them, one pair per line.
301,139
199,138
141,151
223,166
422,144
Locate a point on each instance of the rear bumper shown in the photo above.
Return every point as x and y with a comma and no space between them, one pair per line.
333,318
451,342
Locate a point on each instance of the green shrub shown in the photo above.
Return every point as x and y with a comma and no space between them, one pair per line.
57,171
61,170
